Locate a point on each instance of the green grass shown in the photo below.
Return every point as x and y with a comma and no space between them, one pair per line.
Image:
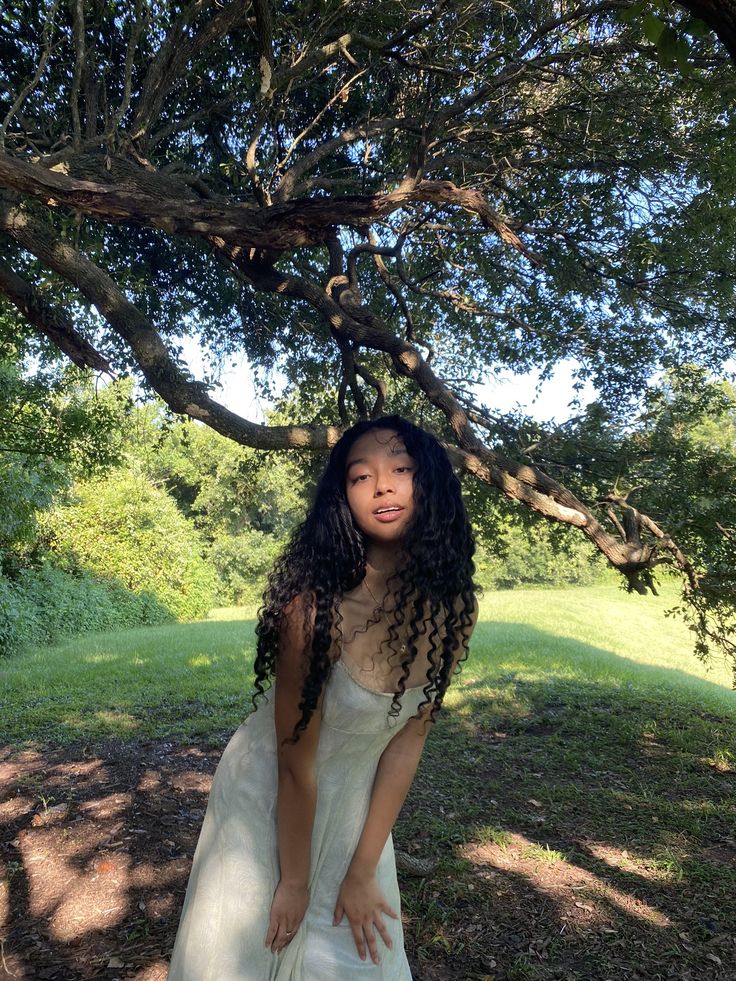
178,682
585,740
594,634
191,680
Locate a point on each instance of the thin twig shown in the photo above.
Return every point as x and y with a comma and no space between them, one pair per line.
78,32
46,38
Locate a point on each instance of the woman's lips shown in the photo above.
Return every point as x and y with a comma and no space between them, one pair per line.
386,516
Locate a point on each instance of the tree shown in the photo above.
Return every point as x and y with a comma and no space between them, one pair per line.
388,202
720,15
123,530
223,487
54,428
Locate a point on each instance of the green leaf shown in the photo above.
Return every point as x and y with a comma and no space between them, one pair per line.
632,13
667,47
653,28
682,55
696,27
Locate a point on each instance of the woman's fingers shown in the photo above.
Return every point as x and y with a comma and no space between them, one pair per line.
385,935
359,940
273,929
371,939
279,936
365,938
338,914
387,909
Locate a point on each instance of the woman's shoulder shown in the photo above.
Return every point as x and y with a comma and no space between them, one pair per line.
298,616
300,604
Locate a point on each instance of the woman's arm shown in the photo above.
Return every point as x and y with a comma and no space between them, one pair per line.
360,897
297,783
396,770
394,776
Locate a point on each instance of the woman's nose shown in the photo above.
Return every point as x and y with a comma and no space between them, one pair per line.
383,484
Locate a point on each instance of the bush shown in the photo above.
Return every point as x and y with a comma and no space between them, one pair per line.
242,563
43,605
129,533
12,619
536,557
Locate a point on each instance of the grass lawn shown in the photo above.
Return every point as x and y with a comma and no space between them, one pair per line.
577,801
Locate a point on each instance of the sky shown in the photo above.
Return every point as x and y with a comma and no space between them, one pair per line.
548,402
502,393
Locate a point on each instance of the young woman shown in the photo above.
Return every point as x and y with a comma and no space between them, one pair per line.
367,614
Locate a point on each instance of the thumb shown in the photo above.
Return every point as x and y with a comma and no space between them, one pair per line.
338,914
387,909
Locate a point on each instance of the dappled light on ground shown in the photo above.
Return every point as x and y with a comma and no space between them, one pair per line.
572,890
96,854
97,846
573,843
578,812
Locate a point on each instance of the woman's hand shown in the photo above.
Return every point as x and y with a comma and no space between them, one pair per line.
361,900
287,911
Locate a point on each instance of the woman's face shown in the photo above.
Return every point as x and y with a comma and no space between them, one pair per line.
379,484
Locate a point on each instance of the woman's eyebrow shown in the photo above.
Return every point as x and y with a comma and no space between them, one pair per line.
398,451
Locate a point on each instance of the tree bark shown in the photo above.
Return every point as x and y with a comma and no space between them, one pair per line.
720,16
54,324
272,229
180,392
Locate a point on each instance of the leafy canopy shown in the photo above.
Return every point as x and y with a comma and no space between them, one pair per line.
389,202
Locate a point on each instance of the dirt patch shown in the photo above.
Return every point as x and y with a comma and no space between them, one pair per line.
95,854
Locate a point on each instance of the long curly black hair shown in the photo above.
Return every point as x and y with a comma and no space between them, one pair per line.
433,589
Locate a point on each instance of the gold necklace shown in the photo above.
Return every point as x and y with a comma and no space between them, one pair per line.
379,606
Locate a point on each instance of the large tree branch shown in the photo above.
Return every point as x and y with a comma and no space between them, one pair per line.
292,176
522,482
355,323
175,53
720,16
347,317
631,555
275,229
50,321
264,32
78,30
439,122
181,393
46,39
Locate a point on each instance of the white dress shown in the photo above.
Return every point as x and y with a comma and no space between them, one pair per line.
235,872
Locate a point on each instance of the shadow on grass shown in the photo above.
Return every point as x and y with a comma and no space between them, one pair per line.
585,830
